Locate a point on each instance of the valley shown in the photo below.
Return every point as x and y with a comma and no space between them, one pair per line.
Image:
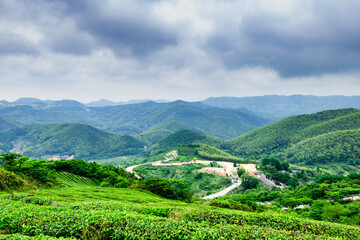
179,169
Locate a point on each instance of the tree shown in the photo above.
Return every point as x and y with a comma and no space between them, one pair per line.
250,182
240,172
12,161
141,172
293,182
160,187
317,210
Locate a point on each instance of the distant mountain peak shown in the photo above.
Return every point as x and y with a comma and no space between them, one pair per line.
27,100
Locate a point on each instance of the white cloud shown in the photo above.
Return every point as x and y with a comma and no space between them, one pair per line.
178,49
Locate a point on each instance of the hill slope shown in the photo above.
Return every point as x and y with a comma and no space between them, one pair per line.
284,106
160,132
135,119
333,147
304,138
121,213
223,123
81,140
186,137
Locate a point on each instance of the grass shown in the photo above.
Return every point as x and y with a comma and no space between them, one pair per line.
91,212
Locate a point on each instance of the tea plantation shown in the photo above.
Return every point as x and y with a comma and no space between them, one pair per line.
91,212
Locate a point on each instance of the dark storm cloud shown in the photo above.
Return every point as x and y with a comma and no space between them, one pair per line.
125,33
78,26
14,44
119,34
328,43
147,40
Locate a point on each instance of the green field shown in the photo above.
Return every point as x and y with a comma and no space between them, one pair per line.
76,199
89,212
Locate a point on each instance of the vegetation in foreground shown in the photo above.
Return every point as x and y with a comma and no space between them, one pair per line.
330,198
92,201
92,212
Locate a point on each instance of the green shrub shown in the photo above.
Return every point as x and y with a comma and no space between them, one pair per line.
9,181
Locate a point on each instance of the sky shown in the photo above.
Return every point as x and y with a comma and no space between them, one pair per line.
141,49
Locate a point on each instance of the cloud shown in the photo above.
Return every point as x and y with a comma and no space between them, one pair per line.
314,38
127,27
178,49
11,43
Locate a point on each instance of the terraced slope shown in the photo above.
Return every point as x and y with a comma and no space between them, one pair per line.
109,213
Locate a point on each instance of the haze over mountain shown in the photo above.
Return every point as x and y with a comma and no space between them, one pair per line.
278,106
104,102
135,119
269,106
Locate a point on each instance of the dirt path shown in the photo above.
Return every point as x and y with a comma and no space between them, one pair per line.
224,191
169,156
228,170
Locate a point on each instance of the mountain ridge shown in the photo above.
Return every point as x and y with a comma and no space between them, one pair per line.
80,140
280,106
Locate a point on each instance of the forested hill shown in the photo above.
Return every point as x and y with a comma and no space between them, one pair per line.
80,140
135,119
186,137
278,106
321,138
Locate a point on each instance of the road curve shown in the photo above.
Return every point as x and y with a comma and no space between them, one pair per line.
224,191
212,196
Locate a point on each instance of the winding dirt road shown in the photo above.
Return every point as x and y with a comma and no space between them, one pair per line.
228,170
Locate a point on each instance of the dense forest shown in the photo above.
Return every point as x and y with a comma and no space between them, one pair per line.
80,140
135,119
321,138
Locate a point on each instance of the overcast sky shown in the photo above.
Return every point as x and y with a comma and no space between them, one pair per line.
192,49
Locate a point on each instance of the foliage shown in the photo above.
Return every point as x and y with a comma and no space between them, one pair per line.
199,182
280,171
249,182
320,138
68,139
50,172
240,171
9,181
167,189
184,137
135,119
325,199
103,213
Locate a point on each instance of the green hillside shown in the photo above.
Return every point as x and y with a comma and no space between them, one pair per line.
7,123
106,213
74,199
82,211
159,132
335,147
309,139
135,119
80,140
185,137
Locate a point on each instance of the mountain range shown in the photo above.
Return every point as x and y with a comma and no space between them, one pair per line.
278,107
327,138
82,141
141,118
